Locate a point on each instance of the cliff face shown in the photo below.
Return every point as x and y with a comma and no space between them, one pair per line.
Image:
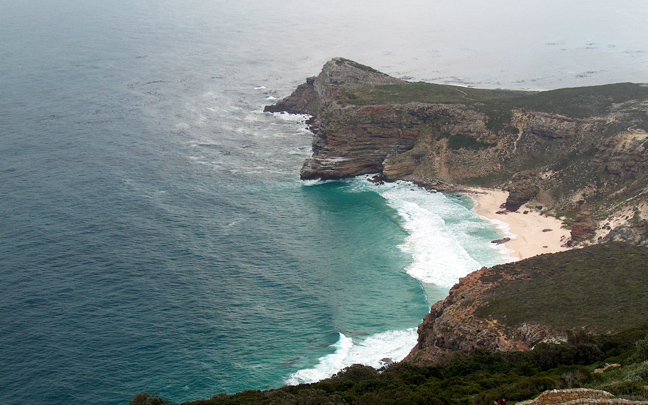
515,306
349,141
566,151
452,324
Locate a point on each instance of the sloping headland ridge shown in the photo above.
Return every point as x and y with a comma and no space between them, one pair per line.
580,154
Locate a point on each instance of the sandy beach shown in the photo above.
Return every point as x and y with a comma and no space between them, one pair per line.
531,233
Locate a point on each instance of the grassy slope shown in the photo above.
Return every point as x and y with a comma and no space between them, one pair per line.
575,102
600,287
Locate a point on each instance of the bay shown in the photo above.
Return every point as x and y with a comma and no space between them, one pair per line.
155,235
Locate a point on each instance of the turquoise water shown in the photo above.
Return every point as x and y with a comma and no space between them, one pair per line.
155,234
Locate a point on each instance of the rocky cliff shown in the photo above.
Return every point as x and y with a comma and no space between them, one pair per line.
515,306
563,151
580,154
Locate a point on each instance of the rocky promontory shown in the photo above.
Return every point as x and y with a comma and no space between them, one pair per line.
514,306
578,154
563,151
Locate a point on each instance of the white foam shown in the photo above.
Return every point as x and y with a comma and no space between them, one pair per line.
375,351
447,240
182,127
441,252
316,182
292,117
437,256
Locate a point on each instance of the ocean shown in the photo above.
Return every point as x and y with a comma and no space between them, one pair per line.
155,234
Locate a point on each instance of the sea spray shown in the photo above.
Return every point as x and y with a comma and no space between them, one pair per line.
376,351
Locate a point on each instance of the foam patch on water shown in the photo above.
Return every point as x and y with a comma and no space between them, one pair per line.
438,256
292,117
447,240
375,351
315,182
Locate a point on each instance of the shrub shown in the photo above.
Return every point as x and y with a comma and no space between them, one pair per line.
461,141
641,351
355,373
144,398
628,388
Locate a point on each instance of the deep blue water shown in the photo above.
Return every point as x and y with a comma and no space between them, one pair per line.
155,234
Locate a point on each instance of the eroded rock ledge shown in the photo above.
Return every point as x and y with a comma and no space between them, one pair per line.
576,396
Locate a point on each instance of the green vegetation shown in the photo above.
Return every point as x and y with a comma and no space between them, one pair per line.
498,120
583,101
145,398
601,287
479,378
459,141
430,93
574,102
488,180
356,65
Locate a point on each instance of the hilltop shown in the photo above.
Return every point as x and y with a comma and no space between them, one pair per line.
598,289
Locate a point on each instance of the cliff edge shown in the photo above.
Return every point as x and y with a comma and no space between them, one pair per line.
513,307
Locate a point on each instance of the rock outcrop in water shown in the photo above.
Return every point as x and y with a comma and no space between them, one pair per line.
562,151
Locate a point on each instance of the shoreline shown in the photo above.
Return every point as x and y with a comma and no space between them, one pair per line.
530,234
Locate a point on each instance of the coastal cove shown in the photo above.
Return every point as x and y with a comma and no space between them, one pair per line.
445,240
447,138
157,235
421,145
530,232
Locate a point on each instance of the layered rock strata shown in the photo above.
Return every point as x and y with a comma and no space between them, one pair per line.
562,151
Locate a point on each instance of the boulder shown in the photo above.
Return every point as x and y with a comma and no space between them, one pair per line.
522,189
584,227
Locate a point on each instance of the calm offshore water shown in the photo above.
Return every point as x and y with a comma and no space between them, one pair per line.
155,235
